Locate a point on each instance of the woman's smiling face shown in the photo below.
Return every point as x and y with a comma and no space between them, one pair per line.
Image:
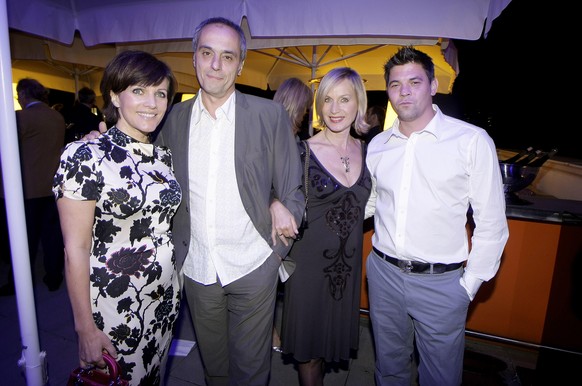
141,109
340,106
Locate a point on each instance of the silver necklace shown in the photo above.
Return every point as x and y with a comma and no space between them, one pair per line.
344,159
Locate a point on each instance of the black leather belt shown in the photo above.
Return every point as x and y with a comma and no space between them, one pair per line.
418,267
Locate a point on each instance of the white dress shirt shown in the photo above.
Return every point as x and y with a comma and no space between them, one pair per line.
423,186
224,243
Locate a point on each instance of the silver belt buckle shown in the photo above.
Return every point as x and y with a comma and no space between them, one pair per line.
405,265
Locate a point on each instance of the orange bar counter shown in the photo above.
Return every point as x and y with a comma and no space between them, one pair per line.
536,296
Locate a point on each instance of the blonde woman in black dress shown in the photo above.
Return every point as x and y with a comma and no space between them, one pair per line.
321,314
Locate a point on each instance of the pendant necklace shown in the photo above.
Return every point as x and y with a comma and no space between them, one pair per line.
345,159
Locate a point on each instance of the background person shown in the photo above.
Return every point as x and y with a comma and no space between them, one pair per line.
321,314
41,133
116,196
81,118
297,98
231,151
429,169
375,116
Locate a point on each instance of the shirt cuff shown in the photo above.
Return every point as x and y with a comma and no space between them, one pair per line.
471,284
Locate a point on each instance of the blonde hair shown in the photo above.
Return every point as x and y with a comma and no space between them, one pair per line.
330,80
296,97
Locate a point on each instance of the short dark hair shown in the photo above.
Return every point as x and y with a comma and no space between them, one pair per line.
409,54
32,89
86,95
130,68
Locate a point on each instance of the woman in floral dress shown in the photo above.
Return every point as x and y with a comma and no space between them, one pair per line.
116,196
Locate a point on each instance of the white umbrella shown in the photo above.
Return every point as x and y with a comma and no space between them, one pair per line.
113,21
69,67
300,38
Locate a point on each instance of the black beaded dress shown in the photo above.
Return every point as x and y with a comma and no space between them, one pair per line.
321,310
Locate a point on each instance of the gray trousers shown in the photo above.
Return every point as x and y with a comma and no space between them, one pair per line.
234,326
429,310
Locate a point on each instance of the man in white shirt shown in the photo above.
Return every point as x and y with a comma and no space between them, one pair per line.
429,171
231,153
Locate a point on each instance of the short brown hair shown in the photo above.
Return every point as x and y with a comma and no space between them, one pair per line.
130,68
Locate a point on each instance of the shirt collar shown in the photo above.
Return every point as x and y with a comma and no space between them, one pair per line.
32,103
432,127
227,109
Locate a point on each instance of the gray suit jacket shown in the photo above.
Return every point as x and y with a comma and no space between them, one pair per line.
267,160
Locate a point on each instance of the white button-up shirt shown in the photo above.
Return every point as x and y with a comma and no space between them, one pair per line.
224,243
423,186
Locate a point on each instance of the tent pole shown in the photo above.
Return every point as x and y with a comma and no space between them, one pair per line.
313,73
32,359
76,76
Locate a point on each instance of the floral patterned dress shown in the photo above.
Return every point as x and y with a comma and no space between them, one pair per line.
134,285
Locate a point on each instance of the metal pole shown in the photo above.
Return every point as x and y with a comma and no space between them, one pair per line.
313,73
32,359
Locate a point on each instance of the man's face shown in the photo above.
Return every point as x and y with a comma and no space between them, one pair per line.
217,60
410,91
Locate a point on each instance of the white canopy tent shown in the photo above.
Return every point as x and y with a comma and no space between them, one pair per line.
300,38
271,24
113,21
69,67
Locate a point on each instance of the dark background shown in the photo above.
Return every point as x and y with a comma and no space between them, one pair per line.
517,82
520,82
502,78
514,83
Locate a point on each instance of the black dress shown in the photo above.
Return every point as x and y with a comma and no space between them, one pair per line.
321,311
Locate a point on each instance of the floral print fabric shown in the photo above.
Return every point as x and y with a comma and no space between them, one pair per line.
134,285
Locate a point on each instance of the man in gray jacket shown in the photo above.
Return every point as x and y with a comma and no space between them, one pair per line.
231,153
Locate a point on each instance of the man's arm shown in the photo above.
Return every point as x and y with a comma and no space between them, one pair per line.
287,178
371,204
488,203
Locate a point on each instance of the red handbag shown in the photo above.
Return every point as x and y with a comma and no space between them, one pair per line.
92,376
